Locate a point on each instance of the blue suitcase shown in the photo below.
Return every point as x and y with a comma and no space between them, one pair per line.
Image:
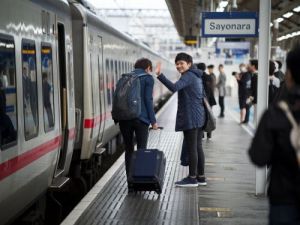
147,171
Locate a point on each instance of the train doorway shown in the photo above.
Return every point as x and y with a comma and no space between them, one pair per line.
102,89
63,98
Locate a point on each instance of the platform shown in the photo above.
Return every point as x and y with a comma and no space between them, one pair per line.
227,199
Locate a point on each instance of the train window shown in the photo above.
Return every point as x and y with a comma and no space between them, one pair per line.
108,78
101,84
8,96
116,73
29,80
120,70
112,83
127,67
47,86
123,67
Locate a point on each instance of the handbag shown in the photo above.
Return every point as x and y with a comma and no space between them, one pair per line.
210,120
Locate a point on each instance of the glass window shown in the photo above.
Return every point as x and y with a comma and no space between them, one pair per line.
29,80
112,83
119,70
123,67
47,86
108,78
8,96
100,75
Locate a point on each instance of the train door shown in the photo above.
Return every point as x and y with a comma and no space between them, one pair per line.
101,89
63,98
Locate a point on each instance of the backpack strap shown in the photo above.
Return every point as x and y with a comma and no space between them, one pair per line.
295,133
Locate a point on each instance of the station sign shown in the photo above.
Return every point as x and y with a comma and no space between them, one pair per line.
229,24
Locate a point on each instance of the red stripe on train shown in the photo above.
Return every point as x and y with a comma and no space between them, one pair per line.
91,123
13,165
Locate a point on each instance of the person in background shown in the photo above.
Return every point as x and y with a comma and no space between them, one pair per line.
210,69
140,125
209,86
46,99
3,78
243,78
274,83
272,147
8,133
253,67
190,115
278,73
221,85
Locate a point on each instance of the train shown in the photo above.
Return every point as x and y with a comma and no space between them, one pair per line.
59,64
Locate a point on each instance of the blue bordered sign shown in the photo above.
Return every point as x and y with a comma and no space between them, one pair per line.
229,24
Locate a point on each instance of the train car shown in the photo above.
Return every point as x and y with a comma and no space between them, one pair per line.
102,54
59,64
38,123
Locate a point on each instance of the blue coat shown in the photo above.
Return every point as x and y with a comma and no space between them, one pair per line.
190,110
147,111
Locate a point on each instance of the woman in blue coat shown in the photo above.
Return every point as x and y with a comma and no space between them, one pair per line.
190,115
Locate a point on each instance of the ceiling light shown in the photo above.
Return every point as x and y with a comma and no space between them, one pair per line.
297,9
288,15
223,4
279,19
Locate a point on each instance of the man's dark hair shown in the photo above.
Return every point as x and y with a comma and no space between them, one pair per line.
254,62
210,66
292,63
279,64
143,63
221,65
184,57
271,68
201,66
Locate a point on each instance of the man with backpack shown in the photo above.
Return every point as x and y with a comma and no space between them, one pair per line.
276,144
133,107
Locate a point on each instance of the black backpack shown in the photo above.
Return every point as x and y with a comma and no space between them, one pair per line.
127,97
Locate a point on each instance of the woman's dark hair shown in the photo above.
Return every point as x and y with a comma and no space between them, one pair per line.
292,63
143,63
271,68
184,57
254,62
201,66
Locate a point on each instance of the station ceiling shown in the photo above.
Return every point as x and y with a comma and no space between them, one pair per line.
186,14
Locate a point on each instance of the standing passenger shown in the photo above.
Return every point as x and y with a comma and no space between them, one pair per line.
209,83
221,88
140,125
253,67
274,83
243,79
278,73
272,146
190,115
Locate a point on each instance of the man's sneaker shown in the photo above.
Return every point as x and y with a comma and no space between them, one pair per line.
201,181
187,182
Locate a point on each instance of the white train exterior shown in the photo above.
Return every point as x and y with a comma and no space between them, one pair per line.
59,66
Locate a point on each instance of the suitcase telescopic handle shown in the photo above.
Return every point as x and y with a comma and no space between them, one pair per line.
159,137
